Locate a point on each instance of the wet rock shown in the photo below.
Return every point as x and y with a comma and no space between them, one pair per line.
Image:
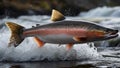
15,66
15,8
89,4
114,42
81,66
86,4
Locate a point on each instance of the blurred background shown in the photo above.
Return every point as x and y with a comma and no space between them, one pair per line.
100,54
15,8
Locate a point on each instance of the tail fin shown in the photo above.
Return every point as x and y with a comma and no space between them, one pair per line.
16,33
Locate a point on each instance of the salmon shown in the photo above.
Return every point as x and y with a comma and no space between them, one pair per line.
61,32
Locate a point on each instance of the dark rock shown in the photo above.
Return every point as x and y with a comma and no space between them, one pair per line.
82,66
16,66
15,8
111,43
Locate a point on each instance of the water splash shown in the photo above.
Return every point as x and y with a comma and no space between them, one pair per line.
102,12
29,51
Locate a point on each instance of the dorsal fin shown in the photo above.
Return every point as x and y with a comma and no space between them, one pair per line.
57,16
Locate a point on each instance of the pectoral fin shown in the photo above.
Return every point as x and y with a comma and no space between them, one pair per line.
39,42
57,16
69,46
80,38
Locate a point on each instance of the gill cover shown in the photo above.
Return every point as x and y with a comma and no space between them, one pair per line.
16,33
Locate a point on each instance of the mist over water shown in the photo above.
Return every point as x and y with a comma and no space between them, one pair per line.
29,51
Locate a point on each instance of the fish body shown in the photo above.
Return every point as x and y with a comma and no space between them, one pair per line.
63,32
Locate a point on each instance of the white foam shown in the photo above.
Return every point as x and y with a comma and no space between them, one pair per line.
102,12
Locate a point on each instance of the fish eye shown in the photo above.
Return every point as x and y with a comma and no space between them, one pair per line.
109,30
112,31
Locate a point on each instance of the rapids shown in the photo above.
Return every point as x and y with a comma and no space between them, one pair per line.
29,51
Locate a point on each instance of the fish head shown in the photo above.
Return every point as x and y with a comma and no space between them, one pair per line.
111,33
105,34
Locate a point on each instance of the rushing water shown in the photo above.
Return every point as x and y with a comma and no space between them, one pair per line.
97,53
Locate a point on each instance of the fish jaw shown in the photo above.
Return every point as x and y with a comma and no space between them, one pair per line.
112,34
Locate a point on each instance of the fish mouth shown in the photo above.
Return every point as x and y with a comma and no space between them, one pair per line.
112,34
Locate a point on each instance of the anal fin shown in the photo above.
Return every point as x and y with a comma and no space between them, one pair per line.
39,42
80,38
69,46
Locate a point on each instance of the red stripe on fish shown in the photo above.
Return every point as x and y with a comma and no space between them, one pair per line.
71,31
47,31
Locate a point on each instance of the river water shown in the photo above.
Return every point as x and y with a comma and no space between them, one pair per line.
100,54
